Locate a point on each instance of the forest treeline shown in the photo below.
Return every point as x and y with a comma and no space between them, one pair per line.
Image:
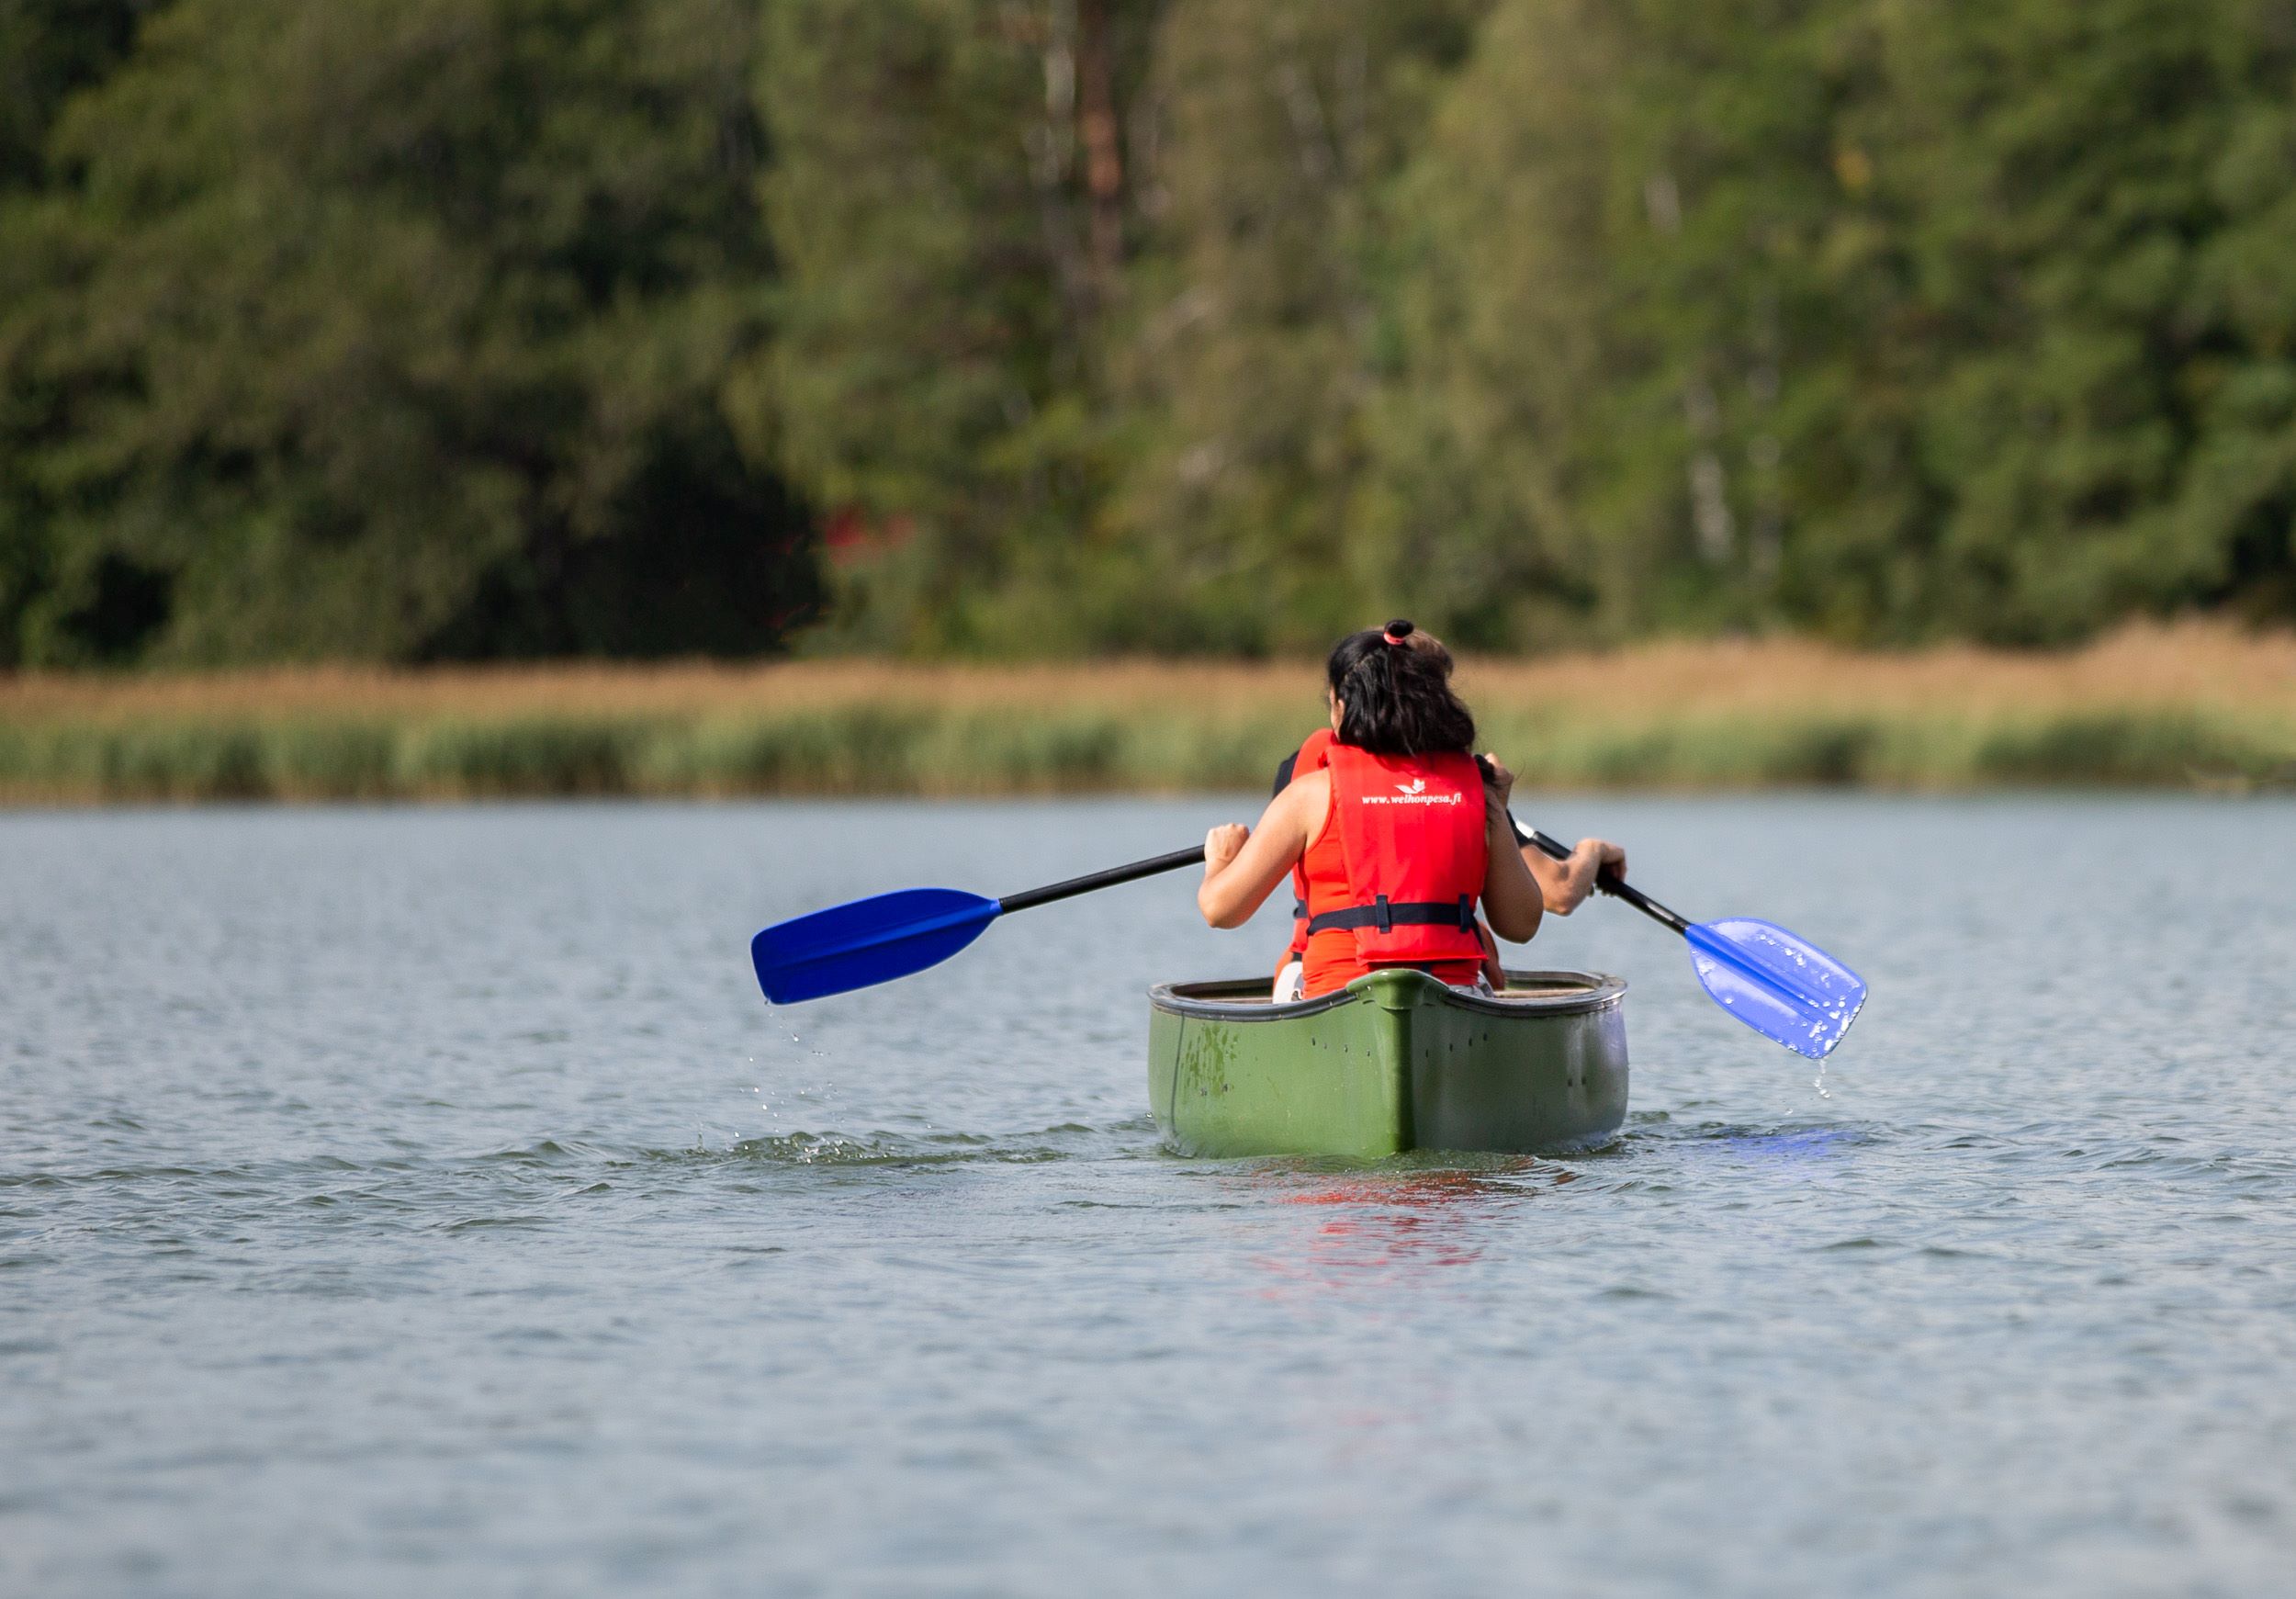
419,330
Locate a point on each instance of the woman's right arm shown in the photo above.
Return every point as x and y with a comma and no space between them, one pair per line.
1243,866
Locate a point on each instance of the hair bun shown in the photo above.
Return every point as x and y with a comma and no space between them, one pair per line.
1398,630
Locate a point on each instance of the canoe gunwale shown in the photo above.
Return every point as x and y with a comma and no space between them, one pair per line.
1221,1000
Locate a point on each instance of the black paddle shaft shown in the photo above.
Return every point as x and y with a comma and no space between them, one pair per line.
1109,879
1610,885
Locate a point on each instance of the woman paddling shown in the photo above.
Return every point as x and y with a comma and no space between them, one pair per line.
1398,838
1563,884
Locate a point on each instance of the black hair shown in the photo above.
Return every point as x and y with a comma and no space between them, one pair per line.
1393,685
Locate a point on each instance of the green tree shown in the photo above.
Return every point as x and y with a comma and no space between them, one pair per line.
1894,321
404,329
1263,326
397,330
952,201
1618,228
2107,398
49,50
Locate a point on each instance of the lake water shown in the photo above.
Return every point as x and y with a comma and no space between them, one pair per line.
424,1200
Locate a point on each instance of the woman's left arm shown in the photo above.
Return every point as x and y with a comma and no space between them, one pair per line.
1566,883
1511,900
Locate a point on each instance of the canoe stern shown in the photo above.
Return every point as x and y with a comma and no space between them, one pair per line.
1333,1082
1395,1060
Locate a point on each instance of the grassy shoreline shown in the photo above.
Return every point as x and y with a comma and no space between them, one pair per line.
2185,708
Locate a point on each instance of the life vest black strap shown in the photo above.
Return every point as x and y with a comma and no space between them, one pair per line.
1382,914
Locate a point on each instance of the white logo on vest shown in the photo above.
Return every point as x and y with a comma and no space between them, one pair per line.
1414,792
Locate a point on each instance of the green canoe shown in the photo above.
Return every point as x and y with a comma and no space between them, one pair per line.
1394,1061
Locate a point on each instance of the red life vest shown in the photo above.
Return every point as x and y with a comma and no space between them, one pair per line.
1309,759
1410,828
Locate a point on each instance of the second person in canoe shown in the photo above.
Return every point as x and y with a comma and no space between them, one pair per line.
1399,840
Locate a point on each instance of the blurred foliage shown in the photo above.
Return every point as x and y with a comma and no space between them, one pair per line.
949,202
412,328
395,330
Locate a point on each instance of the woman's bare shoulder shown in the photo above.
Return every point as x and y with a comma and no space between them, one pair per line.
1300,808
1306,792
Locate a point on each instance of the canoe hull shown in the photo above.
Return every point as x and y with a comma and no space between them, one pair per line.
1394,1061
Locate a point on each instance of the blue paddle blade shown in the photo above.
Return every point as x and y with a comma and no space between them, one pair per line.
1788,990
869,940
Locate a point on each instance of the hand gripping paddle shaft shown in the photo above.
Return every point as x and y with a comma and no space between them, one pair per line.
872,941
1785,987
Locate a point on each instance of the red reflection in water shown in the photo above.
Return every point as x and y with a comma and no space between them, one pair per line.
1409,1220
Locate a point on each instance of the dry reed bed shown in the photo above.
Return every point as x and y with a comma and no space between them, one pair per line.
2156,706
